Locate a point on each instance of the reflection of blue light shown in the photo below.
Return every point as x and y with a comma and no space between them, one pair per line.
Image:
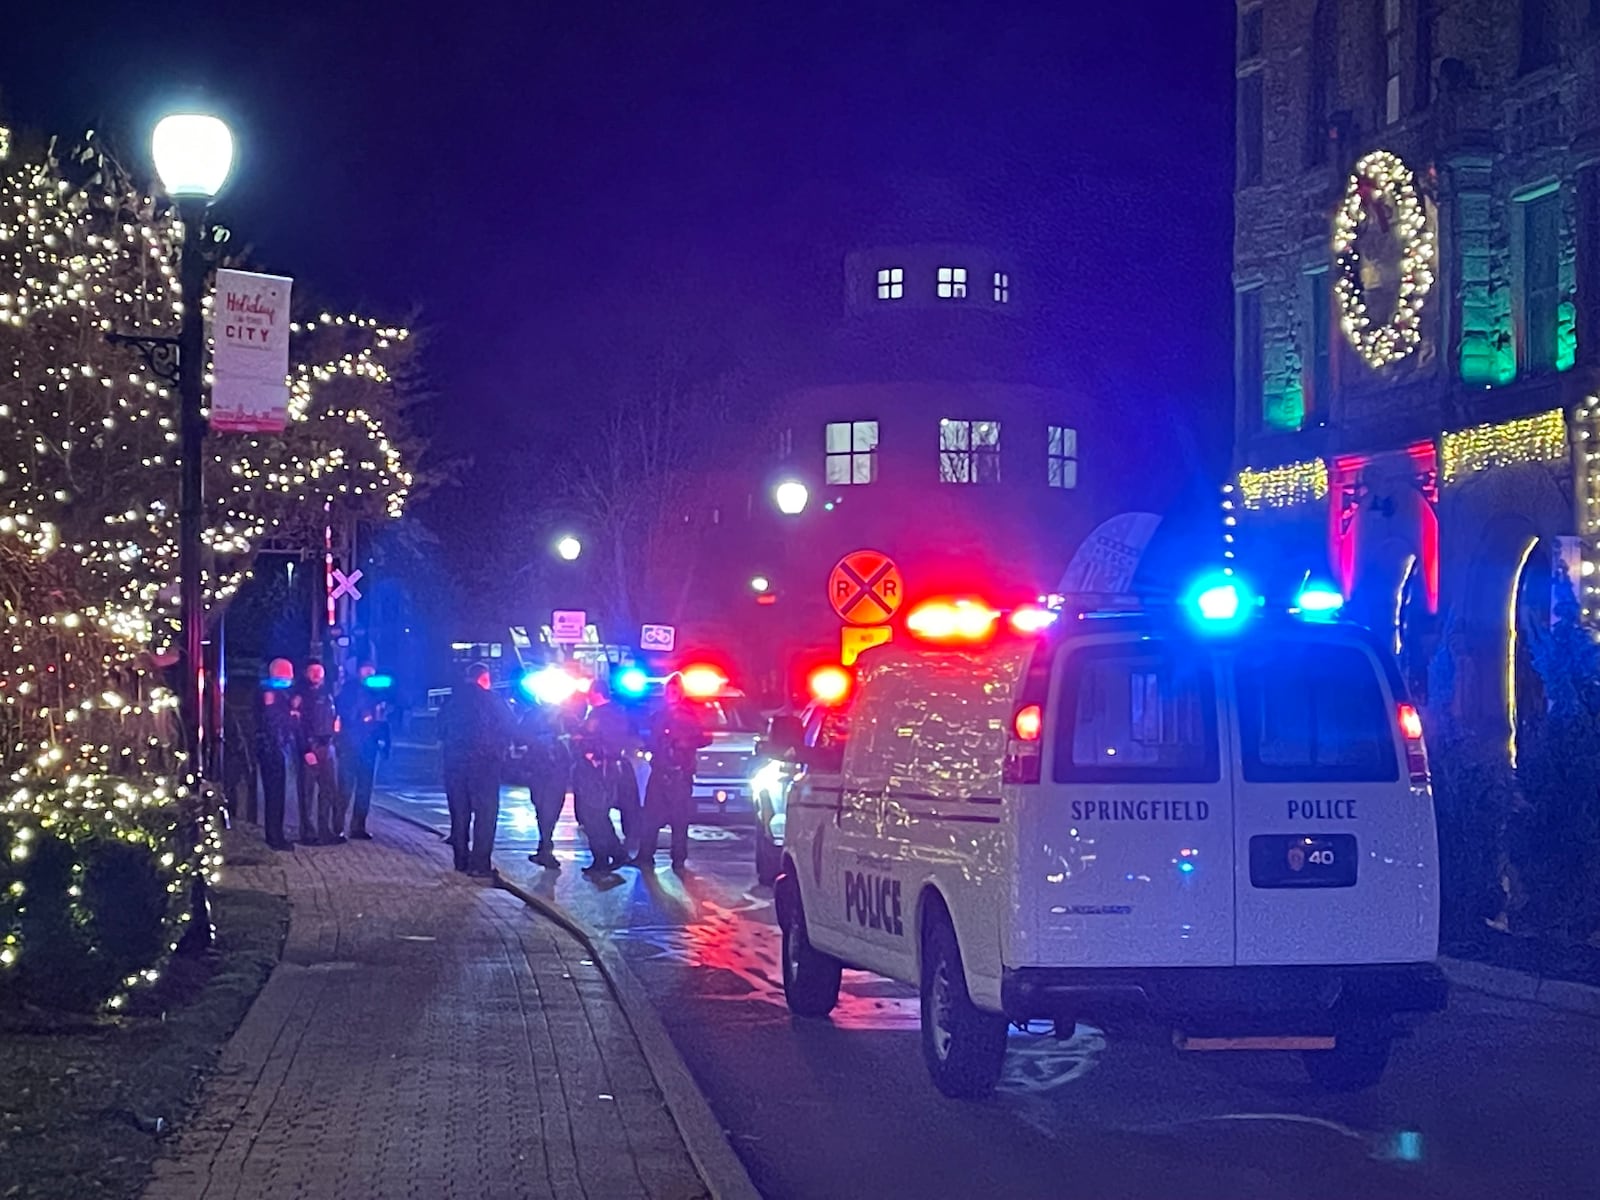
1186,867
632,681
280,684
379,683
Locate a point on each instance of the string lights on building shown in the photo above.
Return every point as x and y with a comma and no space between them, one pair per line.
1285,486
88,523
1381,200
1536,439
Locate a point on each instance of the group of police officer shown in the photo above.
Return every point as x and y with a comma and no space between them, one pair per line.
556,752
333,740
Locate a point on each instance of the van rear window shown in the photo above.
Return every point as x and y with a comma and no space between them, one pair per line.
1313,713
1139,713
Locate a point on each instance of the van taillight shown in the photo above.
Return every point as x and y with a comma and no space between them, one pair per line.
1416,748
1022,749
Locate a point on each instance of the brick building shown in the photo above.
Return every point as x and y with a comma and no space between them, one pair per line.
1417,323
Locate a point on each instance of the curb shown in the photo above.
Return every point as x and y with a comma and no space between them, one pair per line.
1560,994
703,1136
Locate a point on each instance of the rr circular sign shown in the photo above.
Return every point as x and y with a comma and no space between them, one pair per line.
865,588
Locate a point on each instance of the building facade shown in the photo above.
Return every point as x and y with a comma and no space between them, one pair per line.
1417,323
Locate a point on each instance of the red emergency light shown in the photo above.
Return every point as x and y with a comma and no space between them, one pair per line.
952,621
701,681
829,684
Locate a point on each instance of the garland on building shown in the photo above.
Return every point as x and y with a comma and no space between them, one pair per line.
1285,486
1535,439
89,769
1383,190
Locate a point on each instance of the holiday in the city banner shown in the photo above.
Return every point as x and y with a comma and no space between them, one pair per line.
250,332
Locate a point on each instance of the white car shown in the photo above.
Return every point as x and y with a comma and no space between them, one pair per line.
823,728
1225,825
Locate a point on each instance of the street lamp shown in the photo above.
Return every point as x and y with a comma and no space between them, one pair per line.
760,583
791,497
569,547
193,153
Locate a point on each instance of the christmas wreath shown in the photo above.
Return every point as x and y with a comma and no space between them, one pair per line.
1383,248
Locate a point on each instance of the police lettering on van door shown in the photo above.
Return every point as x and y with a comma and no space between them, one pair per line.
1140,810
873,901
1322,810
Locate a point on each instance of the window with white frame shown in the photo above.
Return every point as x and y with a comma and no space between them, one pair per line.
969,451
952,283
1002,288
891,283
1061,457
851,452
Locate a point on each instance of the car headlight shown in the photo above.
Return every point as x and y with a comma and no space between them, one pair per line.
767,778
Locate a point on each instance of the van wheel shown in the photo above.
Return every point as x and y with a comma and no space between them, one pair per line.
964,1046
769,857
1357,1061
810,977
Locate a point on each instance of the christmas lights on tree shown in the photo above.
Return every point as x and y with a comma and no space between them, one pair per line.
89,542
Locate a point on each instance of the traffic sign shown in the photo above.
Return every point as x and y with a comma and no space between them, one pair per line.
854,639
865,587
345,585
566,626
663,638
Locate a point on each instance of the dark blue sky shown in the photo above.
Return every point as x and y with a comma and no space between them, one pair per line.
549,181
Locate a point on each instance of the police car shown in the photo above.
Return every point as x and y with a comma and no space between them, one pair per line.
812,741
1211,816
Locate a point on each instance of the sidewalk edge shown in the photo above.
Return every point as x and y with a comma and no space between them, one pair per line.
1559,994
703,1135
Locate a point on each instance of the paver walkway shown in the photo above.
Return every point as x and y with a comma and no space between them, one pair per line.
426,1036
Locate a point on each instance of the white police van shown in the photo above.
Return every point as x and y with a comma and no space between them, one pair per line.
1221,824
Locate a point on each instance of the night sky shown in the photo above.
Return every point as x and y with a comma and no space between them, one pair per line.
556,184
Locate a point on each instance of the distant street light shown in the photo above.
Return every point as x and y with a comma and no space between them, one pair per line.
791,497
760,583
569,547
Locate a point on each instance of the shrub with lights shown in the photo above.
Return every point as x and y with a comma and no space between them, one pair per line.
97,828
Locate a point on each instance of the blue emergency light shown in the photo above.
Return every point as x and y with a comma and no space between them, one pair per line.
1318,601
378,683
632,681
1219,603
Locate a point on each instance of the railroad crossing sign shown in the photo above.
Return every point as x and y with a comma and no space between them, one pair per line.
345,585
865,587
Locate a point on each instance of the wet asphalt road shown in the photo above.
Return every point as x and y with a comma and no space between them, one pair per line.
1494,1098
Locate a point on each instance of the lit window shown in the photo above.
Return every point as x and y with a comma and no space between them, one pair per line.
852,452
1002,288
891,283
969,451
1062,457
952,283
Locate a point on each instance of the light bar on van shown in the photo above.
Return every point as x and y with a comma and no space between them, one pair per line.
1030,620
1219,603
952,621
1317,601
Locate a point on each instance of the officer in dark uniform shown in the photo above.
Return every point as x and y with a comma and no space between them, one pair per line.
275,742
546,768
319,727
475,732
675,735
592,789
363,739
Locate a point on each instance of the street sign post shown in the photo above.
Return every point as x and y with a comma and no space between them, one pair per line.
567,626
865,588
658,638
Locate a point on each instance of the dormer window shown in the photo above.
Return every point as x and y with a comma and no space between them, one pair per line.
952,283
1002,288
891,283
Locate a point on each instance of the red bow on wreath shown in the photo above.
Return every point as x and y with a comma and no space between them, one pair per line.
1368,191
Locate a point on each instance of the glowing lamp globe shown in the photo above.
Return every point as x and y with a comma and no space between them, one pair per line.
791,497
193,154
569,548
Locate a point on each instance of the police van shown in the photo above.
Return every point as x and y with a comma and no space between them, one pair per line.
1209,817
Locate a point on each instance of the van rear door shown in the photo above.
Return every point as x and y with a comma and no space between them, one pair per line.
1336,860
1125,848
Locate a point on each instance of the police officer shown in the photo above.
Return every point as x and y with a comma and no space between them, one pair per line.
675,735
547,770
475,733
363,738
275,742
319,726
592,790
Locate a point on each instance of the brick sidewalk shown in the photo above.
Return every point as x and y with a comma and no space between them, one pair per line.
425,1037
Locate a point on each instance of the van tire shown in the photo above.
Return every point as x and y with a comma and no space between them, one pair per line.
810,977
769,856
1357,1060
964,1046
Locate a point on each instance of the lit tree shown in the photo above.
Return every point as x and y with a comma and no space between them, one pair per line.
88,521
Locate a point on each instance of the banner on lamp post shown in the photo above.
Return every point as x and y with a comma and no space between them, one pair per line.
250,334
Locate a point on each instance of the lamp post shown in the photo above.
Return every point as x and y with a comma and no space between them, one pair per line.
569,548
791,497
193,153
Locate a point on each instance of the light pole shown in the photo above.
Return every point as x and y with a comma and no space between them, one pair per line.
568,548
193,153
791,496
